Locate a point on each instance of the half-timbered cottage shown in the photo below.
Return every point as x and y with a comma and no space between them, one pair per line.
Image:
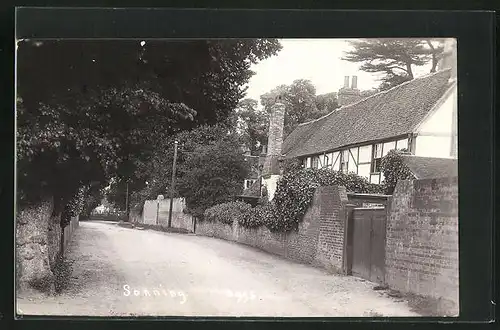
418,116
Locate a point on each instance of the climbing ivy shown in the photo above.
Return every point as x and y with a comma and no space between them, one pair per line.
295,191
394,169
293,196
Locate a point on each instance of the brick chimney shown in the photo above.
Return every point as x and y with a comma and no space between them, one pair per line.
346,82
354,84
348,95
275,139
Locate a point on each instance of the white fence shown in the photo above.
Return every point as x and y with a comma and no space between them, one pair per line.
156,212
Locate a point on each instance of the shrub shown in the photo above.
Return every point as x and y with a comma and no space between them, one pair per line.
258,216
227,212
295,191
394,169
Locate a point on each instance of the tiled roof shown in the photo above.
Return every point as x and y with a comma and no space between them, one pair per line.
431,168
391,113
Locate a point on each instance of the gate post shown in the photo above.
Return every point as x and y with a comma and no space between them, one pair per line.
348,238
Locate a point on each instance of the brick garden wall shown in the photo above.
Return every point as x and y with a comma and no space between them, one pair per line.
422,238
332,218
323,220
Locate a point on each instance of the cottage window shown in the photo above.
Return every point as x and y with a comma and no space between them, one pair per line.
377,158
249,183
315,162
336,161
402,144
308,162
327,160
388,146
344,165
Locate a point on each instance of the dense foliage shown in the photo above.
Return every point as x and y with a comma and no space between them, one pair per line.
227,212
295,191
252,125
212,174
301,102
210,169
394,169
292,198
246,215
89,111
291,165
395,58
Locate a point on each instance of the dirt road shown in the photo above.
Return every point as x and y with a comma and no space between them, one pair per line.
121,272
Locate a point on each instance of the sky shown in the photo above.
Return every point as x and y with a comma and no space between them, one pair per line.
319,60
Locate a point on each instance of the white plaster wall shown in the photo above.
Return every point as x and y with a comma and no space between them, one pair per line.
433,146
271,183
441,120
150,211
434,135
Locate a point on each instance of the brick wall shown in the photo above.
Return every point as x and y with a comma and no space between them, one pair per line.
332,218
422,238
318,240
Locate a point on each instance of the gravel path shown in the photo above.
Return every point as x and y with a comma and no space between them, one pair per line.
122,272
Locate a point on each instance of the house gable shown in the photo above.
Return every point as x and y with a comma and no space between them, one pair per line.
392,113
437,133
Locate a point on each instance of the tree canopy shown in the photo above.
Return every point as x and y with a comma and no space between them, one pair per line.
252,125
302,103
90,110
210,169
395,59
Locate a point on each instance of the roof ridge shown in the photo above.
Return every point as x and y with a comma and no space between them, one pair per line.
376,94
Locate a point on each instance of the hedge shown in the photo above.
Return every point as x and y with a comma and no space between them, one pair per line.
294,194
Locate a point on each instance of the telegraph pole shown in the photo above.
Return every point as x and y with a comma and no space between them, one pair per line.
126,202
172,186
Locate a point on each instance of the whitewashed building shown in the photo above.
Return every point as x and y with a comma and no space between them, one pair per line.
419,116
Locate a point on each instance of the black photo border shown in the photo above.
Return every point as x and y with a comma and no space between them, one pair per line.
475,32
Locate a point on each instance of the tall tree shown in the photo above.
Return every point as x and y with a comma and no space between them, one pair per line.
91,110
301,103
210,168
395,58
252,125
326,103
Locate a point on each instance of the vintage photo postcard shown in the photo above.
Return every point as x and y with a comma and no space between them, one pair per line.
237,177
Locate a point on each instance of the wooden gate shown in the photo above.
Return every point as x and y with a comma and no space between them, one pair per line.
368,243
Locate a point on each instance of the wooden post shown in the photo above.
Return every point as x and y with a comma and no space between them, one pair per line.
157,211
172,186
126,204
348,238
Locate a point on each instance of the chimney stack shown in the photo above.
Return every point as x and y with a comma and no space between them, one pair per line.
354,82
348,95
346,82
275,139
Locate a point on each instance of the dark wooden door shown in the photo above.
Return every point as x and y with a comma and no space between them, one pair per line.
368,258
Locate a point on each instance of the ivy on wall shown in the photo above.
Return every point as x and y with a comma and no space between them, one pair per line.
394,169
293,196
